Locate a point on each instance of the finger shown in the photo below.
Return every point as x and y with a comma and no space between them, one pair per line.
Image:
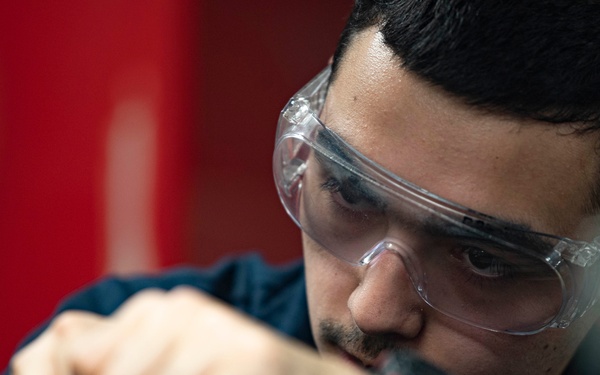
36,358
177,336
45,355
150,346
94,352
223,342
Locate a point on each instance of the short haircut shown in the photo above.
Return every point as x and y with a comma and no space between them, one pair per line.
533,59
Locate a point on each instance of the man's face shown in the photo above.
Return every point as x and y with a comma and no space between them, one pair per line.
505,167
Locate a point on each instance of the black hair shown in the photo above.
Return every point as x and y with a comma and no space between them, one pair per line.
530,58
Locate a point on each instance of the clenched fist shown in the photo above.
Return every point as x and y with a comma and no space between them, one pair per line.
178,332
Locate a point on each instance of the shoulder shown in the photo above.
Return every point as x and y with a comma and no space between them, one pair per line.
236,280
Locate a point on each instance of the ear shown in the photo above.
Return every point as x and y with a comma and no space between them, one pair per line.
330,61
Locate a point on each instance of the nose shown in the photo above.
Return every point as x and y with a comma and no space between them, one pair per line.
385,302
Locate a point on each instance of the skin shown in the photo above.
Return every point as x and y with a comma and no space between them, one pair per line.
496,164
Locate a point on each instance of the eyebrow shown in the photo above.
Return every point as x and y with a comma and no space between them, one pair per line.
334,144
515,235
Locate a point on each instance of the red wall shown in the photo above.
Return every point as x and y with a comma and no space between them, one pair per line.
255,57
137,135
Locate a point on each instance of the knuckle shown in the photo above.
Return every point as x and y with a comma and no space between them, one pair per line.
149,295
185,296
142,301
184,292
188,305
66,323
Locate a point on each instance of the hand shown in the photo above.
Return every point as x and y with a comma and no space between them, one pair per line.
178,332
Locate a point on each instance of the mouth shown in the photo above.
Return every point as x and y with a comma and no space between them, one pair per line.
355,361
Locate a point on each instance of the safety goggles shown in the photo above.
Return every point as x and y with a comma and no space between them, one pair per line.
483,271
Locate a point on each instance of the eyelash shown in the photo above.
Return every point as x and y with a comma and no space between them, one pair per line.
505,271
351,191
333,186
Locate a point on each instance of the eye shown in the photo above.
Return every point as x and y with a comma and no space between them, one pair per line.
350,192
344,193
485,263
348,195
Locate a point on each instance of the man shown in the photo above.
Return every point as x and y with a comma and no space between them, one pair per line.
444,172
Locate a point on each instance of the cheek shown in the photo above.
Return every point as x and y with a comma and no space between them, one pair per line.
329,283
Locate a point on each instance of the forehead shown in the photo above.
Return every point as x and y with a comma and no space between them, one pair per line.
512,168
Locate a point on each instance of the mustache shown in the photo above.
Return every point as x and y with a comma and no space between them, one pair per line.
356,341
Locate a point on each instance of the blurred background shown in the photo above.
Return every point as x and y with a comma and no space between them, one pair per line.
137,135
